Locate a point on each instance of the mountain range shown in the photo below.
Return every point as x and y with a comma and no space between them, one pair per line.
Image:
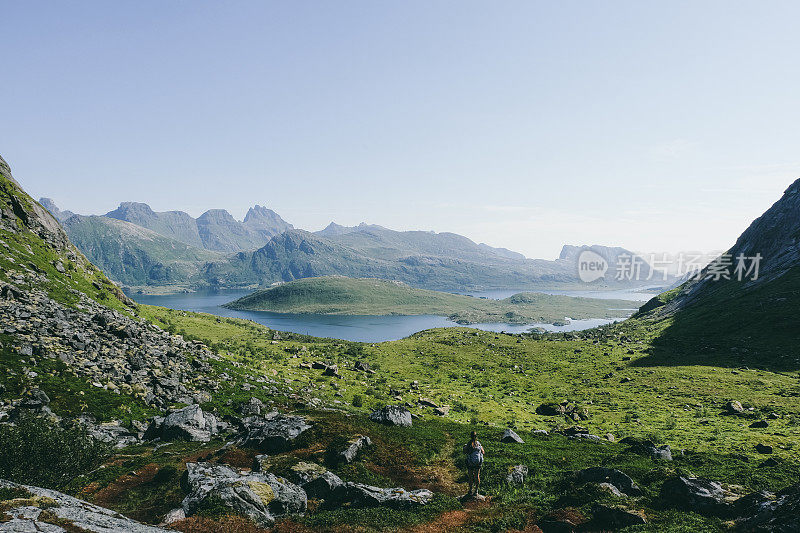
174,250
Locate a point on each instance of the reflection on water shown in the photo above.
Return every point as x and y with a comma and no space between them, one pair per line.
363,328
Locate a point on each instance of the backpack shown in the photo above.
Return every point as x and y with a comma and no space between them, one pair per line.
474,455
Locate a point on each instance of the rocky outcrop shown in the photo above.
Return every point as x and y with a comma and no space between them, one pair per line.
353,448
764,514
392,415
262,497
516,476
38,509
274,432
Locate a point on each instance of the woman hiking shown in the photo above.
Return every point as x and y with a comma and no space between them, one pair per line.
474,452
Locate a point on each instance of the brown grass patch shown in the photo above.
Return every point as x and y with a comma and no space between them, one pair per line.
226,524
111,493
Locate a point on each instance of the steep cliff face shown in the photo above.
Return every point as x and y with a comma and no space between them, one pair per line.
771,243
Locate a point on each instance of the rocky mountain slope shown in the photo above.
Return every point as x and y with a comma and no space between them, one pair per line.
135,256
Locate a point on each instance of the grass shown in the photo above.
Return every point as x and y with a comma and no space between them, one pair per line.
369,296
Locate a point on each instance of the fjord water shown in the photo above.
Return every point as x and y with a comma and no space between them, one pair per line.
362,328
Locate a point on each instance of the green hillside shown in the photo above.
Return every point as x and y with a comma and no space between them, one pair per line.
369,296
136,256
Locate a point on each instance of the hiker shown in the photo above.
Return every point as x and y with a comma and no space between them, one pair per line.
474,452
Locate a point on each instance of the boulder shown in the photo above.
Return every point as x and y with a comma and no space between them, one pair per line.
663,453
609,518
274,432
760,424
763,448
696,494
174,515
509,435
353,448
780,514
392,415
318,482
189,423
258,496
360,495
43,507
734,407
617,478
517,475
252,407
362,366
443,410
552,409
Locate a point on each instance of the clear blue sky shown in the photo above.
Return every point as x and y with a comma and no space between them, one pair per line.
647,124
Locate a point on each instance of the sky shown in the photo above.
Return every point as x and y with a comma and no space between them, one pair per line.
657,126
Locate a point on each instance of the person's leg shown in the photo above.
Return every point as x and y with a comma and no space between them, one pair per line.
469,477
477,479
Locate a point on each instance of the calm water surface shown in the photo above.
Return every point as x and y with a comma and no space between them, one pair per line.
363,328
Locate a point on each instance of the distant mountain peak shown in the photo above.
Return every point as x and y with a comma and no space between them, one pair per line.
51,206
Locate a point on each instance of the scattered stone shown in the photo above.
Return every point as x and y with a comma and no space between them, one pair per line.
517,474
769,463
392,415
444,410
509,435
362,366
779,515
760,424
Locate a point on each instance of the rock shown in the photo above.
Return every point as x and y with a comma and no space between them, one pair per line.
360,495
763,448
252,407
769,463
327,486
361,365
44,506
614,491
610,437
274,432
355,445
575,430
517,475
750,504
780,515
696,494
540,432
760,424
189,423
551,409
663,453
734,407
258,496
174,515
510,436
426,402
332,370
260,463
444,410
610,518
617,478
393,415
772,416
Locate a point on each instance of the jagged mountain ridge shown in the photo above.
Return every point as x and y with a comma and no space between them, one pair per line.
215,230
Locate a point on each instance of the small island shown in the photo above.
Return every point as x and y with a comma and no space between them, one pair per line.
337,295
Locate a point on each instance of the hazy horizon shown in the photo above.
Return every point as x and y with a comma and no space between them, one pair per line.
527,126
